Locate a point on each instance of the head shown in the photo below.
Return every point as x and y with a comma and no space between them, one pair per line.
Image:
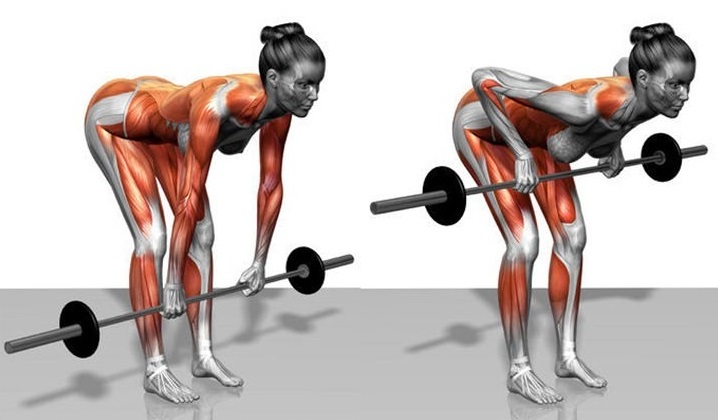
661,67
291,66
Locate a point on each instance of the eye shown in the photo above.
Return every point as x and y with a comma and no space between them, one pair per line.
672,85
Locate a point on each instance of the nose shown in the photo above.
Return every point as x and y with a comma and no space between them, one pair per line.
313,93
684,94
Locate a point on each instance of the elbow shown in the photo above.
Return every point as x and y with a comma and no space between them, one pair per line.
481,75
485,81
271,185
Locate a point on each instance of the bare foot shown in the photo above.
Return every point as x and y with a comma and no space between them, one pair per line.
165,384
207,366
570,366
523,381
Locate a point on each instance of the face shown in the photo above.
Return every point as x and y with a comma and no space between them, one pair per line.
298,87
667,88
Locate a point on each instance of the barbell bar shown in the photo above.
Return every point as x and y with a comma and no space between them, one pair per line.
80,329
444,194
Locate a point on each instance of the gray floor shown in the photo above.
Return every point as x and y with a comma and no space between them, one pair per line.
379,354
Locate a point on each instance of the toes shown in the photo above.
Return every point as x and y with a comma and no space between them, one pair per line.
599,383
553,397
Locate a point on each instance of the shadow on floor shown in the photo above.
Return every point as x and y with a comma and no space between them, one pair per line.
91,386
87,385
462,334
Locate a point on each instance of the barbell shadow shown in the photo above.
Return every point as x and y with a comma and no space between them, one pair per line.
211,394
87,385
293,323
252,309
606,294
573,392
462,334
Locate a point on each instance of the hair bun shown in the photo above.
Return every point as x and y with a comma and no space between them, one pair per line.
644,33
280,31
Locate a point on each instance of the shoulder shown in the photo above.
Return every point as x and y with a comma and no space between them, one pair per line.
607,94
245,97
617,83
613,94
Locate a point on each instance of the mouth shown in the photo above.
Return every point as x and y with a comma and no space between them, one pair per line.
676,106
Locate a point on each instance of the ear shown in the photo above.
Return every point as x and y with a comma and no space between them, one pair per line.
272,77
642,78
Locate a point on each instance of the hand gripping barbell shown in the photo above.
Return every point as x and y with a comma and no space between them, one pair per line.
444,195
80,329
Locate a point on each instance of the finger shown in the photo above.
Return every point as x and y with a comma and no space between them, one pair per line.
528,185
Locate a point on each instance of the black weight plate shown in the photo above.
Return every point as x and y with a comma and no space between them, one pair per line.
85,345
314,281
671,165
445,179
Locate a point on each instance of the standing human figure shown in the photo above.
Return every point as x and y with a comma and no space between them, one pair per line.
514,126
147,129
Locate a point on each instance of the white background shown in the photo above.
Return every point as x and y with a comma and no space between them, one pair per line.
395,73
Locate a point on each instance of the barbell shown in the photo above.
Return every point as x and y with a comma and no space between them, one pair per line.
80,329
444,194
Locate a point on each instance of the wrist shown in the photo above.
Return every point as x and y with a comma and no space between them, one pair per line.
524,155
259,260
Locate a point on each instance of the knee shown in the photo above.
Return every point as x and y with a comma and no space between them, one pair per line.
572,241
525,249
155,242
203,238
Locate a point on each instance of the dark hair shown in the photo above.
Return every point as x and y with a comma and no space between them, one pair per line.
284,45
653,45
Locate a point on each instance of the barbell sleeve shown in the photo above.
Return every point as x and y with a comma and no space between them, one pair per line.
40,339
